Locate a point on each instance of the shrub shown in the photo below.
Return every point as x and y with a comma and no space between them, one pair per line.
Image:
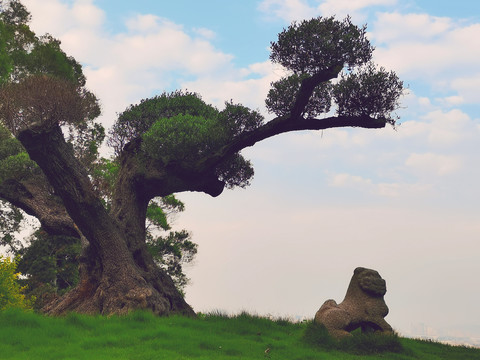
11,293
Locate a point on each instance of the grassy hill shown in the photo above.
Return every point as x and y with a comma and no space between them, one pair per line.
144,336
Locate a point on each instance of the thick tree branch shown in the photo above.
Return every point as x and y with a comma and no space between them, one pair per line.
281,125
34,199
157,179
308,86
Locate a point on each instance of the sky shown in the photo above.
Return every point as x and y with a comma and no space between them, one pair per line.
403,201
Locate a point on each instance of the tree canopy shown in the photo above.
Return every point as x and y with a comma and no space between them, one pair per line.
171,143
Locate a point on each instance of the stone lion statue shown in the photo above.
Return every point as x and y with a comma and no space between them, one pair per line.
363,306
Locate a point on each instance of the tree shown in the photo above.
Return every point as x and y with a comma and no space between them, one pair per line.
11,293
50,261
168,144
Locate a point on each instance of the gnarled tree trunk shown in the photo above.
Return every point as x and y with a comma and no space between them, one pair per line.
118,274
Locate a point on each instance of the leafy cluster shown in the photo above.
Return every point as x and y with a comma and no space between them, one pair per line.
14,160
368,91
171,252
46,101
49,265
182,138
11,293
160,209
104,174
10,223
25,54
138,119
321,48
180,127
281,97
39,83
172,249
320,44
50,259
237,119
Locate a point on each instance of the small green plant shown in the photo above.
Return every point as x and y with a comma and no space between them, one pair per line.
11,293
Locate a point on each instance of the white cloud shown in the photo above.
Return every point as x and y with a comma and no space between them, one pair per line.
287,10
152,55
341,8
441,51
341,180
296,10
416,27
205,33
434,163
452,100
448,128
382,189
452,130
56,17
469,87
148,23
248,86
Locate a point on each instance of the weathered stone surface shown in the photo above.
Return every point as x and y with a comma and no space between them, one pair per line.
363,307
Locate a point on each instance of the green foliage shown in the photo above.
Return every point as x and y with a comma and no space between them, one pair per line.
326,44
14,36
319,44
180,128
368,91
171,252
282,96
14,161
48,58
9,145
38,81
104,174
17,166
173,249
25,54
11,293
171,204
157,216
182,138
6,63
86,139
10,222
237,119
49,264
137,119
235,171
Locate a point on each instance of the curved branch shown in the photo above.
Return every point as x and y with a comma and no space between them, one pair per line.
156,179
34,199
282,125
308,86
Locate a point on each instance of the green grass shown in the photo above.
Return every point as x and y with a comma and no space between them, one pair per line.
144,336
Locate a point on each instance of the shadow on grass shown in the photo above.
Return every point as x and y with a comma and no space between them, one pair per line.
358,344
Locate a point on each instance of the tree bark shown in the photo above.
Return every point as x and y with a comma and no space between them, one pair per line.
34,198
115,280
